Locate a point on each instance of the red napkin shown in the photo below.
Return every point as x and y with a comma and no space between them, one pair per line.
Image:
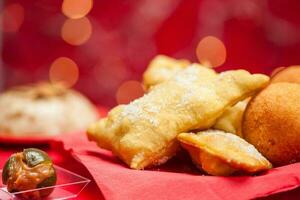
178,179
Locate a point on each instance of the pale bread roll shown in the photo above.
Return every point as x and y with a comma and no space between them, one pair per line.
44,110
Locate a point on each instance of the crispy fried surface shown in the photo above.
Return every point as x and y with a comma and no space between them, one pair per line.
143,133
220,153
231,120
161,69
272,123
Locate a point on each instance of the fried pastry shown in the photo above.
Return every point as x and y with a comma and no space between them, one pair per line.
162,68
231,120
222,154
272,123
143,133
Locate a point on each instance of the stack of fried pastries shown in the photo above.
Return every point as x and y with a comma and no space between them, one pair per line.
144,132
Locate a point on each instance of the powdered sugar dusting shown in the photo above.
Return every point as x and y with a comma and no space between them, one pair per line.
138,110
185,86
230,141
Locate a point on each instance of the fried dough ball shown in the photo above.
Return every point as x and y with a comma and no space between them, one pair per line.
290,74
272,123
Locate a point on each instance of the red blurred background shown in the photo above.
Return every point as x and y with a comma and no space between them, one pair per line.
98,45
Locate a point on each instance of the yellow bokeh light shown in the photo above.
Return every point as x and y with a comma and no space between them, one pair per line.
64,70
76,31
76,9
211,51
12,18
128,91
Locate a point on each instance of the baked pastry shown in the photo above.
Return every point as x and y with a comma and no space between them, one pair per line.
231,120
162,68
222,154
143,133
272,123
44,109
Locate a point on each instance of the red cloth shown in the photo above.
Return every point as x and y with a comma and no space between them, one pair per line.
178,179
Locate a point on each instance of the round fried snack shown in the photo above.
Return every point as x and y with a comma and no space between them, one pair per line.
290,74
272,123
222,154
29,170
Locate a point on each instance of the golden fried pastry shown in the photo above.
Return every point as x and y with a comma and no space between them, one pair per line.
143,133
290,74
162,68
44,109
231,120
272,123
222,154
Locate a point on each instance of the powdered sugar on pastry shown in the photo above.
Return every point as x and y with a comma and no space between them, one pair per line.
225,151
194,98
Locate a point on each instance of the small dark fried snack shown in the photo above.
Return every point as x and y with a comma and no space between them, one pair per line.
222,154
272,123
28,170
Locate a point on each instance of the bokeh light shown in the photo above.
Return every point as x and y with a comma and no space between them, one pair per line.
128,91
76,31
76,9
276,70
12,18
211,51
64,70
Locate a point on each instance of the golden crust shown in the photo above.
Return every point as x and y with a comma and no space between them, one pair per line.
272,123
231,120
220,153
290,74
161,69
143,133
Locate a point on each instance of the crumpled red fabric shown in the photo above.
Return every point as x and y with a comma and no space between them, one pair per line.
178,179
